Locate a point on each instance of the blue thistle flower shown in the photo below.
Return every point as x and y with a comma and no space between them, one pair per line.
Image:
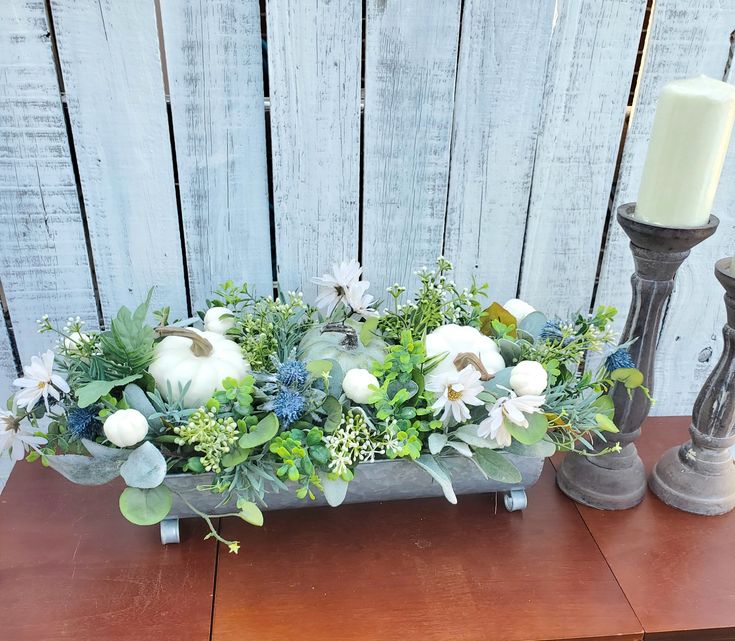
82,422
288,406
619,359
292,373
552,331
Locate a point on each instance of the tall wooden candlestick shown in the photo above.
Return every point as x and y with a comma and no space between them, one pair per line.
618,481
699,476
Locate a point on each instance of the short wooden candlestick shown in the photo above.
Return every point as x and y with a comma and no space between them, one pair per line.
618,481
699,476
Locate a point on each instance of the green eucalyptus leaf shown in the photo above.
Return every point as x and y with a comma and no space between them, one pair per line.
320,367
263,432
146,506
509,350
540,449
538,425
137,399
250,512
368,330
497,466
145,467
628,376
501,379
604,405
234,457
533,324
334,413
95,390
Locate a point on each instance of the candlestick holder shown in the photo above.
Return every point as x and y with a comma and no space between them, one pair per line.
617,481
699,476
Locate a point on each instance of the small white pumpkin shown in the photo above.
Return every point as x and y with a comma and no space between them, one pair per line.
456,339
356,385
125,428
214,321
519,308
204,358
528,377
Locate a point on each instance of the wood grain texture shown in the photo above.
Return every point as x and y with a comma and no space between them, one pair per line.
685,39
675,568
112,74
411,61
500,79
590,71
421,569
8,372
43,255
314,74
215,74
71,567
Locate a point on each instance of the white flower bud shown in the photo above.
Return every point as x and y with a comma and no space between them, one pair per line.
356,385
529,378
218,320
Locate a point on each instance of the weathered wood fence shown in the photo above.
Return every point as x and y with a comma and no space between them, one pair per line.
493,131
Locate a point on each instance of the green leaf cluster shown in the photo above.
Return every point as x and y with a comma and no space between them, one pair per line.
301,452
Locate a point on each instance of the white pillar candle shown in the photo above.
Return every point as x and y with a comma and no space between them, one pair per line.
689,140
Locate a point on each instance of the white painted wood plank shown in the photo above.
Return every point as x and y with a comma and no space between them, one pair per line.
685,39
500,80
215,75
588,83
114,85
314,75
43,255
411,60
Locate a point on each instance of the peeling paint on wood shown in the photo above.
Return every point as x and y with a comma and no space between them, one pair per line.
588,82
215,74
114,85
500,79
411,61
314,73
43,254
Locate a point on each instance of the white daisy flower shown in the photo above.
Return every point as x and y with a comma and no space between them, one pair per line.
456,391
333,287
15,437
358,300
512,408
39,382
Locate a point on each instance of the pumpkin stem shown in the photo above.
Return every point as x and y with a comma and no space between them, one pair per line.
463,359
350,340
200,346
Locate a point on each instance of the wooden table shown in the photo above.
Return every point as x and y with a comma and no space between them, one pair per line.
72,568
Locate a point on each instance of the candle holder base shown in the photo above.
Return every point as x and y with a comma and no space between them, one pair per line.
695,480
608,482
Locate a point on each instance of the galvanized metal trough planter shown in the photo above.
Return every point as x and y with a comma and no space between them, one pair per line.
383,480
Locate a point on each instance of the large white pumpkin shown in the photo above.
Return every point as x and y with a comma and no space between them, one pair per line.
456,339
204,358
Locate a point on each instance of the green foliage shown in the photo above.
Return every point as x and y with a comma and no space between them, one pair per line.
146,507
213,437
235,396
437,302
300,453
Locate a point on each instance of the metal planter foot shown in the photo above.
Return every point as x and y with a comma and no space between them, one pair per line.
515,500
170,531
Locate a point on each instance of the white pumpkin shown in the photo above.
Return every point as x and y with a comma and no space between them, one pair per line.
528,377
214,321
456,339
356,385
125,428
204,358
519,308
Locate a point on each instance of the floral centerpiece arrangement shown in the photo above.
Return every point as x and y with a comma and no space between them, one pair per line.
265,394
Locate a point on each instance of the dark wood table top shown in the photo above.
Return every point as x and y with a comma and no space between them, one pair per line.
72,568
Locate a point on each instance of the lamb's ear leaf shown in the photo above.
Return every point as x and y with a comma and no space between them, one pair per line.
437,441
335,490
429,464
85,470
146,506
104,452
497,466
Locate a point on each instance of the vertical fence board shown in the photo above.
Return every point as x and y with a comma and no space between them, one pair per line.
411,61
314,76
7,365
215,74
500,79
685,39
43,255
590,71
112,74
